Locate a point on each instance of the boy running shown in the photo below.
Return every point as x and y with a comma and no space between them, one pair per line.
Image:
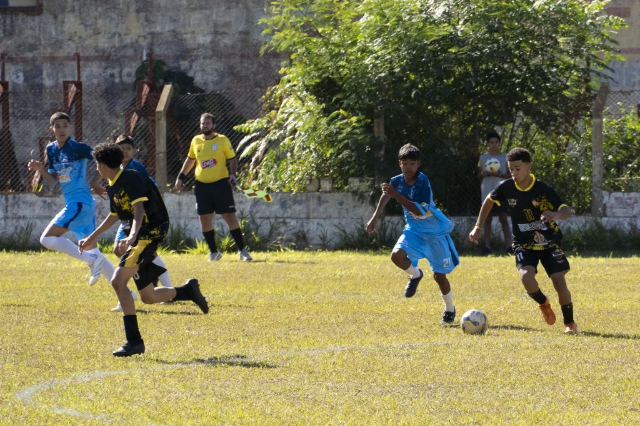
128,147
67,164
426,234
534,206
135,198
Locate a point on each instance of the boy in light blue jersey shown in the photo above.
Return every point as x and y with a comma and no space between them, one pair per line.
67,164
127,144
426,234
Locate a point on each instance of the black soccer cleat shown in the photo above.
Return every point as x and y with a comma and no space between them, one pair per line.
129,349
197,296
448,317
412,285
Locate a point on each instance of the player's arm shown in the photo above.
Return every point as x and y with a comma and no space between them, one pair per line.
475,234
564,213
92,239
382,202
388,189
482,173
97,186
39,167
233,167
186,168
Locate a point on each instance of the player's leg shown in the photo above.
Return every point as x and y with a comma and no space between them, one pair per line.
556,264
134,343
443,258
405,257
205,206
119,250
527,262
225,205
164,278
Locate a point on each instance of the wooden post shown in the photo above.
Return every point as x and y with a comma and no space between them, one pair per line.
597,208
161,137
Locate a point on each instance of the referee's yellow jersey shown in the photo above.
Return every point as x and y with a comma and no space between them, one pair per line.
211,157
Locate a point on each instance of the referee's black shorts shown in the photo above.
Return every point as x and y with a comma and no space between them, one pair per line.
215,197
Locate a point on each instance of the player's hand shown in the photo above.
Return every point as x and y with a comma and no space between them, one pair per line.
371,225
35,165
389,190
474,235
232,180
99,190
178,184
547,216
84,243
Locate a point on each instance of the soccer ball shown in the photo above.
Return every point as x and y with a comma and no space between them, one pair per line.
492,165
474,322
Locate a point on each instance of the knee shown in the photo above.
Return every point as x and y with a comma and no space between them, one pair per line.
46,241
397,256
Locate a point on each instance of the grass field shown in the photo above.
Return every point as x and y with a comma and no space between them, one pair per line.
318,338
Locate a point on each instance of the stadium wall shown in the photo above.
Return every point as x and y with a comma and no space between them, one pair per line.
307,217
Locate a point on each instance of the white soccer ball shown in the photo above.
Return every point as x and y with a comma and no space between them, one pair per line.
474,322
492,165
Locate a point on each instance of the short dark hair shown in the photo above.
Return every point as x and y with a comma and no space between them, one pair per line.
519,154
125,139
409,152
109,154
208,115
492,134
59,116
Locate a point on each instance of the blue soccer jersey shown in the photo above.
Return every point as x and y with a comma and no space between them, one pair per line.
432,222
138,167
69,163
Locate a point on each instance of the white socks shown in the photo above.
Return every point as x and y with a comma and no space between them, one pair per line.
164,278
413,271
107,267
65,245
448,302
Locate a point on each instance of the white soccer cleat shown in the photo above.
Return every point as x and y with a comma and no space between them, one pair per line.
245,256
96,269
214,257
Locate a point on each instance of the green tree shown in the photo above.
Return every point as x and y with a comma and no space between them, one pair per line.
441,72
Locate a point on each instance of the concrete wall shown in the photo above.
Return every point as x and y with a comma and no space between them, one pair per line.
626,74
308,217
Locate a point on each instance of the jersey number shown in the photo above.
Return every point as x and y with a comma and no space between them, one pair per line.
529,214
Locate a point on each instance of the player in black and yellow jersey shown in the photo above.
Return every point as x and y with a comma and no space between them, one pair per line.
135,199
534,206
209,152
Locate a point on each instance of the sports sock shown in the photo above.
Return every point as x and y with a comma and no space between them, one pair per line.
538,297
448,302
65,245
567,313
164,278
131,330
183,293
210,238
107,267
413,271
237,237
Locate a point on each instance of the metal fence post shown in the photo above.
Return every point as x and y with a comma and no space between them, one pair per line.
161,137
597,208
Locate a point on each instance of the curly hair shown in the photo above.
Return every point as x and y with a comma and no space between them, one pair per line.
519,154
109,154
409,152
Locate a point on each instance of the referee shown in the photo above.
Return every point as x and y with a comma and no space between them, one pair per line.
210,152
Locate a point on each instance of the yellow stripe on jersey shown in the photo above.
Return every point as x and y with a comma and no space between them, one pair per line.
137,200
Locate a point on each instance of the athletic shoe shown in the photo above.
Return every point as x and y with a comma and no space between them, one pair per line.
448,317
571,328
119,307
244,255
214,257
129,349
547,313
412,285
96,269
196,295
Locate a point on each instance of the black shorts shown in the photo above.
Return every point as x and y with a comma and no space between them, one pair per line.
142,254
553,259
216,197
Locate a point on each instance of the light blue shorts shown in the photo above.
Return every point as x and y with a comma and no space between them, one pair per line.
79,218
120,234
439,251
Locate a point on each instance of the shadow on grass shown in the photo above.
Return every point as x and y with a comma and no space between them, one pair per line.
16,305
512,327
163,312
610,335
232,361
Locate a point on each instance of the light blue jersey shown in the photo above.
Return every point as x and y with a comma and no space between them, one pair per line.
138,167
433,222
70,165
